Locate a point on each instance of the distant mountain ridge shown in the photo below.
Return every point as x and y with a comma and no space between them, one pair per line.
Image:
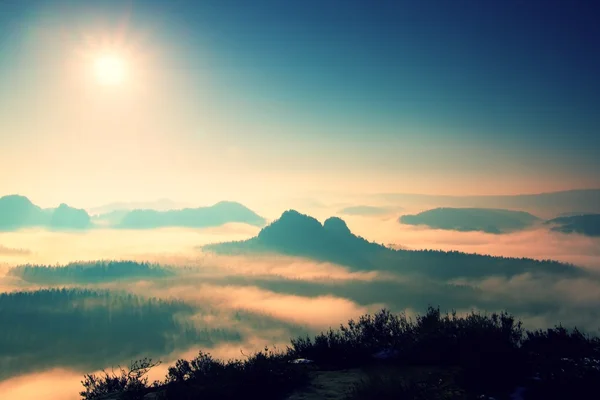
489,220
70,218
542,204
159,205
17,212
215,215
300,235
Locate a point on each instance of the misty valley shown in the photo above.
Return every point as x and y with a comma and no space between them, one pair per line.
299,200
226,281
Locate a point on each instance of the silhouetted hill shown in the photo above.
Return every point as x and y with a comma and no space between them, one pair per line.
65,217
472,219
18,212
545,204
587,224
574,213
300,235
218,214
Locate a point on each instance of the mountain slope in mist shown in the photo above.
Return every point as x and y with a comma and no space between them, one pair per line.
218,214
18,212
159,205
472,219
586,224
65,217
300,235
547,205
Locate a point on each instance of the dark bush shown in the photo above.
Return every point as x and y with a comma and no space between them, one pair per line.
479,354
129,384
355,343
265,375
392,387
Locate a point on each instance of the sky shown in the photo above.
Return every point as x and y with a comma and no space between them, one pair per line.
235,100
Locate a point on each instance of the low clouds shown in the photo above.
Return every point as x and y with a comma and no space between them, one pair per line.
270,298
367,211
315,312
288,268
49,247
539,243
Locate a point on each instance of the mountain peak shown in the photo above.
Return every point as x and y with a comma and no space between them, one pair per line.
16,199
291,213
292,219
226,203
336,225
66,217
292,224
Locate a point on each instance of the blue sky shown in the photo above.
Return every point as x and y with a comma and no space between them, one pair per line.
517,67
453,92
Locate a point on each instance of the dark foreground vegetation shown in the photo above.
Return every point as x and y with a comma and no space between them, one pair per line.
435,356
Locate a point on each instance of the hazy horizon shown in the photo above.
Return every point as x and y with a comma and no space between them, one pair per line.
356,102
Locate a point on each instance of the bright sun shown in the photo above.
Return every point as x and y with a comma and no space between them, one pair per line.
110,69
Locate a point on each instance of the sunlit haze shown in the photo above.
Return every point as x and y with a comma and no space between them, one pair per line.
219,175
110,69
232,102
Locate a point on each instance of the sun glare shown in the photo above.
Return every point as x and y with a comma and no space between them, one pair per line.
110,69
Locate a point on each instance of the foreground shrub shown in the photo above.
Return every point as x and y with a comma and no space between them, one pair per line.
265,375
487,354
355,343
129,384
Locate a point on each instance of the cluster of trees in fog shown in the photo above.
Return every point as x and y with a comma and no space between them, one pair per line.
89,272
92,329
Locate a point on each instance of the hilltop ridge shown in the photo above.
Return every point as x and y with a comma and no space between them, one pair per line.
301,235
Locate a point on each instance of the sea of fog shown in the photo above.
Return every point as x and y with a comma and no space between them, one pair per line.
286,296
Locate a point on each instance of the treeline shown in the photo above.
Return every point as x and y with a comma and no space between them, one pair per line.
452,264
89,272
84,328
